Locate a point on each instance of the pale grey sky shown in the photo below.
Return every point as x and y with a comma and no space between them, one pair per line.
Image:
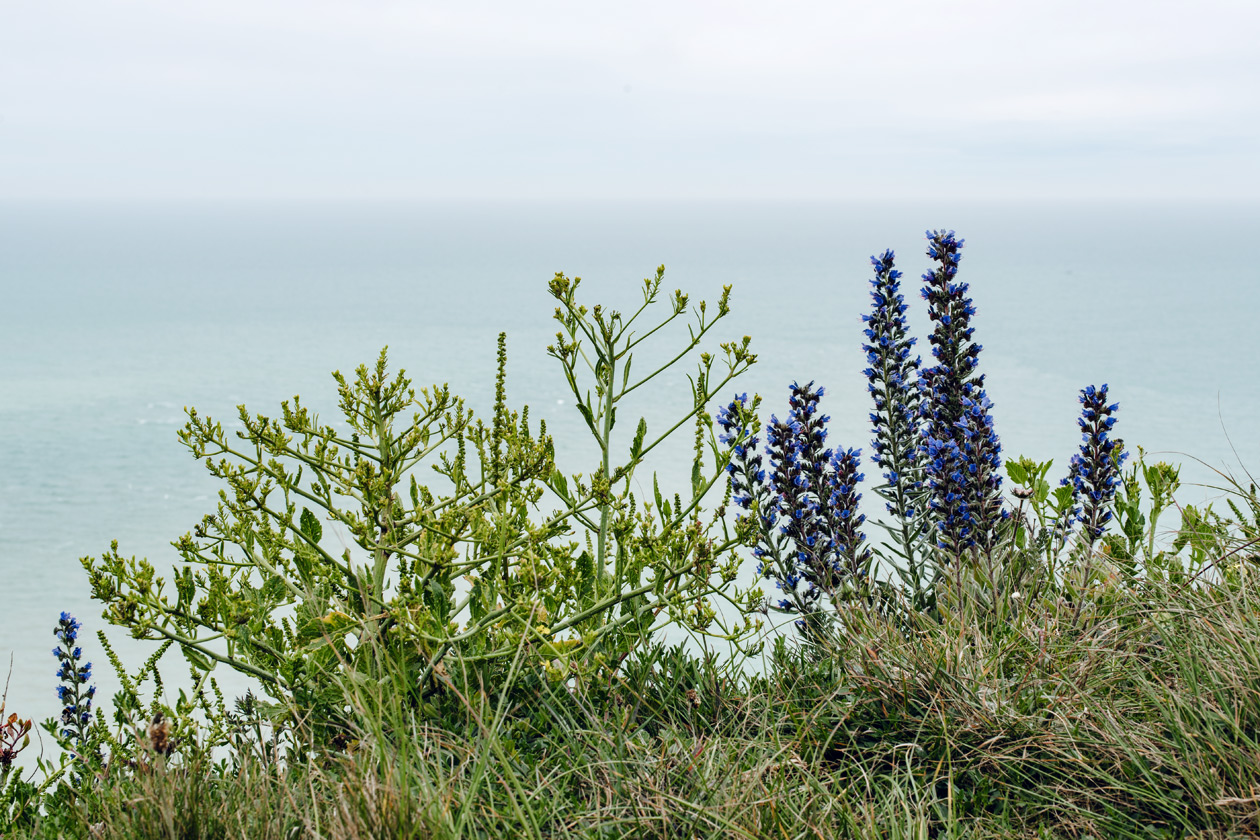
498,99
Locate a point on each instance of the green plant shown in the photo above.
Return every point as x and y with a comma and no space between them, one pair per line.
454,585
662,554
1042,512
1200,540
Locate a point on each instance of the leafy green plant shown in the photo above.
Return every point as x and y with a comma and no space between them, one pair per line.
661,554
456,581
1042,510
1200,539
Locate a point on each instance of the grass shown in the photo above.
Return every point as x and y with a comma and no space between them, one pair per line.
1135,716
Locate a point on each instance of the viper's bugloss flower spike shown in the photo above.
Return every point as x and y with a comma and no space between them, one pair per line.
853,557
1094,474
795,505
956,354
809,430
892,375
813,521
982,455
74,693
744,468
807,534
943,467
817,497
747,477
960,450
892,381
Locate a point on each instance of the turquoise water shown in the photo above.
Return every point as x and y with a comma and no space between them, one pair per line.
116,317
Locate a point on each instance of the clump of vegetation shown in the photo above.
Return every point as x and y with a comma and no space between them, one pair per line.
453,636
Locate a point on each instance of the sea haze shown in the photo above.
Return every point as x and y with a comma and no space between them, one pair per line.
116,317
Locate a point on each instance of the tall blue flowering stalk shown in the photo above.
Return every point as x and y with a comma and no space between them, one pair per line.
960,451
74,693
1095,471
808,535
853,557
892,381
751,491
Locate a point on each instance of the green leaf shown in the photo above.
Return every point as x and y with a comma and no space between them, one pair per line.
477,602
636,446
197,659
273,589
302,562
310,629
560,485
586,575
588,417
310,526
440,601
185,586
1062,499
336,623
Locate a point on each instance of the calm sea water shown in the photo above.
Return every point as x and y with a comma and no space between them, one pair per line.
115,318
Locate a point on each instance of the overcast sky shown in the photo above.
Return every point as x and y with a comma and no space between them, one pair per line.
646,99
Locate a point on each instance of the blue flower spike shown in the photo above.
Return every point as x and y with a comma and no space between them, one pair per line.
1094,474
74,693
808,531
960,450
892,375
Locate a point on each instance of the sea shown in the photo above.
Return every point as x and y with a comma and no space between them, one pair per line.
117,317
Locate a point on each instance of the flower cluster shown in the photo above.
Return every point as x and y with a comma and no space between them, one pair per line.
842,510
745,471
792,502
808,535
950,310
751,491
935,444
892,381
1095,470
960,450
74,692
749,488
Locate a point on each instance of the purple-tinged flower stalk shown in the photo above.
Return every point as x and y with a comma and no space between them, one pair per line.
74,692
749,488
808,536
852,556
982,455
793,511
892,381
745,471
961,451
804,458
1095,471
